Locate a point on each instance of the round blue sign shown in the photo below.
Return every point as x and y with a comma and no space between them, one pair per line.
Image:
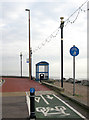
74,51
32,90
27,60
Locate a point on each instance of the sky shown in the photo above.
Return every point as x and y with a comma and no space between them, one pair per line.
45,20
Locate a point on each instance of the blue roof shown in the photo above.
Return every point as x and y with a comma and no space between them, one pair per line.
43,63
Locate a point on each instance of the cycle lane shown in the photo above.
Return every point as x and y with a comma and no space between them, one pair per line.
51,106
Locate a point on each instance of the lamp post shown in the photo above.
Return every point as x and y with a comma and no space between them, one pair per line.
61,26
29,45
31,61
21,62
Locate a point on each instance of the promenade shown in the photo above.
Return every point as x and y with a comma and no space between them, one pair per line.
81,91
14,98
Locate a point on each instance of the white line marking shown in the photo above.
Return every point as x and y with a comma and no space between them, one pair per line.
1,83
70,107
44,100
37,99
28,102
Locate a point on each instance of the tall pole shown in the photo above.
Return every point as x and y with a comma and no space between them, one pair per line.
73,74
31,62
29,46
61,26
21,62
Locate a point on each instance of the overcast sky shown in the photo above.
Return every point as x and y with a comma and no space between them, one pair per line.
45,19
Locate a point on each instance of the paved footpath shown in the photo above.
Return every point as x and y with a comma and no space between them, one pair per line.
14,107
21,85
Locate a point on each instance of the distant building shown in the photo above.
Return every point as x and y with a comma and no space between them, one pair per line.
42,71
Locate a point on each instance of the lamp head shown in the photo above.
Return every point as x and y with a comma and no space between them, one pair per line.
20,53
27,10
61,18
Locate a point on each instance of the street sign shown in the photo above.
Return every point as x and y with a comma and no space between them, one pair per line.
74,51
28,60
32,103
32,90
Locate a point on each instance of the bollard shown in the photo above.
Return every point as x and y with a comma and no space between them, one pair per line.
32,103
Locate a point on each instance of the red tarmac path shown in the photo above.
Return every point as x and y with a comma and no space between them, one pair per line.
21,85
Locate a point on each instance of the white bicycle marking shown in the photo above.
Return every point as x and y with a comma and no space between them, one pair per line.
49,97
47,111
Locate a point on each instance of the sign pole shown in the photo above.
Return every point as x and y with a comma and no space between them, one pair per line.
73,75
32,103
74,51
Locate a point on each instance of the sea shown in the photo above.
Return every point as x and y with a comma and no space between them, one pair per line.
80,79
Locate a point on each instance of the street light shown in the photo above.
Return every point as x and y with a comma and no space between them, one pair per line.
29,45
61,26
31,61
21,62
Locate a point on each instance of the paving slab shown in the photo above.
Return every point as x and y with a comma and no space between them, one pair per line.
14,107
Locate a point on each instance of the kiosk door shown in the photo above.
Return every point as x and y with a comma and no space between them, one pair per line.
41,77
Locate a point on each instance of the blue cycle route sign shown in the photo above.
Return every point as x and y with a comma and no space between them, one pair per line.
74,51
32,90
27,60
